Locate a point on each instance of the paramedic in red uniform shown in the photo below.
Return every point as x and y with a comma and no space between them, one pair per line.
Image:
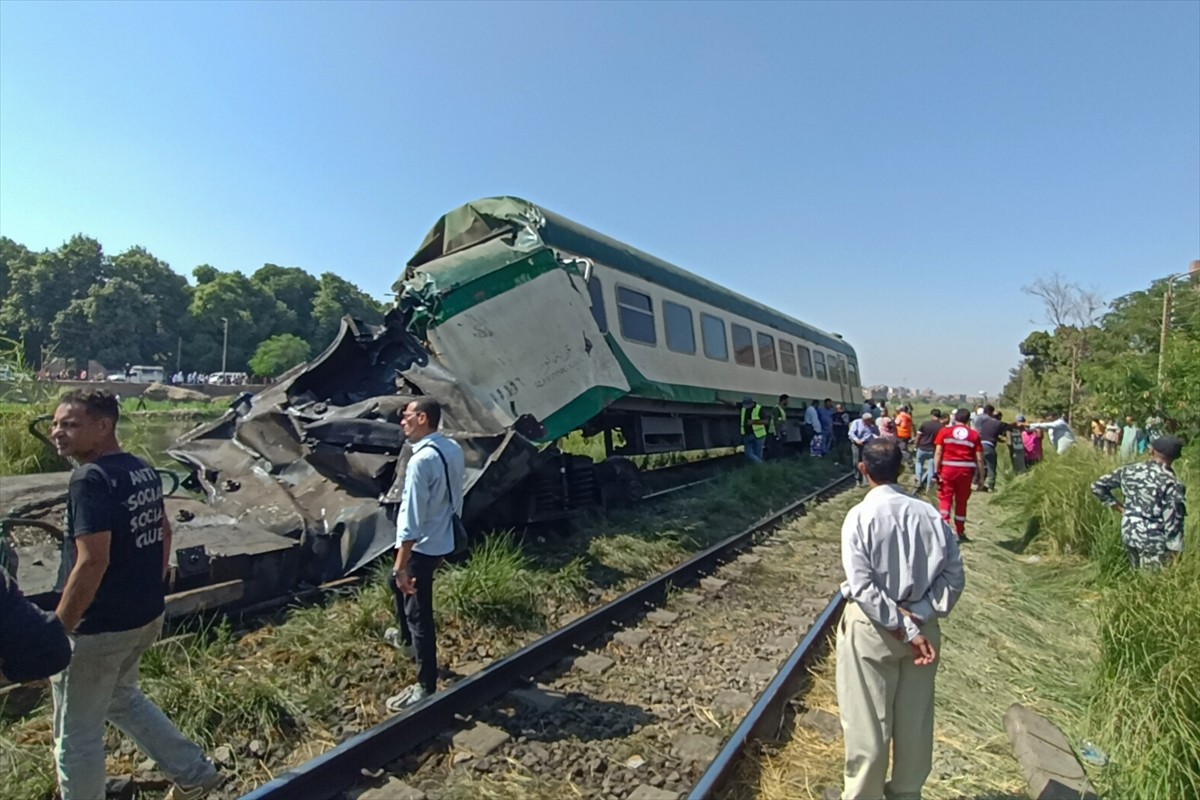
957,461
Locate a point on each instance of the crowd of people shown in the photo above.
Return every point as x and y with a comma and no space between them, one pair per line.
901,556
177,378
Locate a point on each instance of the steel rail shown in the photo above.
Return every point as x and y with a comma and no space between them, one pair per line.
765,717
339,768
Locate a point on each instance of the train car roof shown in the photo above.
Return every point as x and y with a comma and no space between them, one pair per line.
490,217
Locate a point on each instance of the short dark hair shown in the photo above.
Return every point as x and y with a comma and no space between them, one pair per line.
431,408
828,399
816,402
97,403
937,412
989,409
962,415
783,397
883,459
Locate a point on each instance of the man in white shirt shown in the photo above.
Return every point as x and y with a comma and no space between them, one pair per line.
1061,435
433,481
903,571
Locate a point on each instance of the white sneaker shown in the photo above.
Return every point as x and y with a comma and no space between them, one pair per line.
180,792
407,699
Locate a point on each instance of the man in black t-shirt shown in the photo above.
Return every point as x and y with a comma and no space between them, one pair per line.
115,554
926,434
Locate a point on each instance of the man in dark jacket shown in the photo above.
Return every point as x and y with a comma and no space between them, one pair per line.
33,644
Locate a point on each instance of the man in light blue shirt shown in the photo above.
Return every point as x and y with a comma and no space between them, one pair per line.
433,494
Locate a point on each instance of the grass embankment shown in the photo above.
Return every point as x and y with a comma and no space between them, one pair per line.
1052,618
319,674
1144,705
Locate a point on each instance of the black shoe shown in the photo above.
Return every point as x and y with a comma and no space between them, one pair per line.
962,538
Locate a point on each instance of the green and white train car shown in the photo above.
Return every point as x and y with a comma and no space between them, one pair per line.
537,315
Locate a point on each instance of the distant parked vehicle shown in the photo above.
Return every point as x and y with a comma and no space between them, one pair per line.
226,378
117,377
144,374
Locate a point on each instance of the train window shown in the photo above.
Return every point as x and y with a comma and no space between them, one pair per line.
596,292
819,365
766,351
743,344
853,372
787,356
637,316
841,370
712,329
677,320
805,362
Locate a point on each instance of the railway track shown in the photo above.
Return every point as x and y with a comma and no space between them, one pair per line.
640,717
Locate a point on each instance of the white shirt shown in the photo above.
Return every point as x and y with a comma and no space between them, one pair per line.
811,418
898,553
1061,435
426,510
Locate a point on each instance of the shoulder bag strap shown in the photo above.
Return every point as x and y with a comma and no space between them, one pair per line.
446,470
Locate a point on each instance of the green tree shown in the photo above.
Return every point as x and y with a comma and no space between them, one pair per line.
279,354
13,256
107,325
336,298
253,313
205,273
293,287
167,297
41,287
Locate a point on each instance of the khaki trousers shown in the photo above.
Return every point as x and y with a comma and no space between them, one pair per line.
886,704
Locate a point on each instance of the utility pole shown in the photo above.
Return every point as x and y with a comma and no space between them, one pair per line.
179,355
1166,326
225,346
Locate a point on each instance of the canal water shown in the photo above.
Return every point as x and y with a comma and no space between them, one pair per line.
149,437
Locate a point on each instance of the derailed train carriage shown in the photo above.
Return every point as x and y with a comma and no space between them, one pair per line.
527,326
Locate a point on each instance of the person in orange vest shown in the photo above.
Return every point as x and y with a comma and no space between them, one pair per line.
904,431
754,429
958,461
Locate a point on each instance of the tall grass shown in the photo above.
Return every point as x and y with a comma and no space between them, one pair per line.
1055,504
1145,695
1147,700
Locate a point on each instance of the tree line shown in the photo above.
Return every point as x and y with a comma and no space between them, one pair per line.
1100,359
77,302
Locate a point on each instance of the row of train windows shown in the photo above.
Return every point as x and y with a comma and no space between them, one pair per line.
635,311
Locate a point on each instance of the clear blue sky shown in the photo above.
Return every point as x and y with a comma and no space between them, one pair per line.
892,172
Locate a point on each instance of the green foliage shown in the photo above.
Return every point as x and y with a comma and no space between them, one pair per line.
336,298
1055,502
133,308
1145,698
1118,361
1147,703
495,587
279,354
296,289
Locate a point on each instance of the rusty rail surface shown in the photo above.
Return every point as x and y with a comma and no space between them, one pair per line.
336,770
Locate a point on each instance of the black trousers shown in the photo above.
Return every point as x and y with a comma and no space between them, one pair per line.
418,613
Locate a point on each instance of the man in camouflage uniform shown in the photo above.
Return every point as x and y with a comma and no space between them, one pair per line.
1153,506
